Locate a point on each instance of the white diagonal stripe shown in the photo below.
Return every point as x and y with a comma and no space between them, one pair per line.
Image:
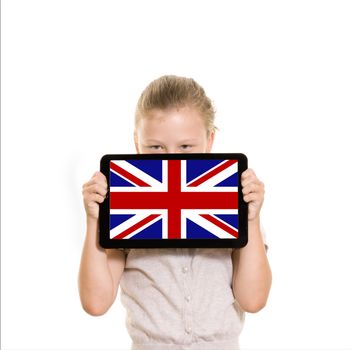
209,226
139,215
209,185
155,184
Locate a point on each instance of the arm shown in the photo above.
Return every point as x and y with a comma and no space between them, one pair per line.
100,270
252,273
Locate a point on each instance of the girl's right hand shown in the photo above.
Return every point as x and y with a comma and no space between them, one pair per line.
94,192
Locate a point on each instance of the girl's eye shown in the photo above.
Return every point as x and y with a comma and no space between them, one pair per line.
186,146
155,147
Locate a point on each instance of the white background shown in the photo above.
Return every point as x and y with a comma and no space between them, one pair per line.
279,73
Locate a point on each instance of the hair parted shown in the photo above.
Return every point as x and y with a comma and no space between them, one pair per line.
171,91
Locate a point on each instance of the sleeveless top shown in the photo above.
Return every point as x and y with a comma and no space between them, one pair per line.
180,299
175,297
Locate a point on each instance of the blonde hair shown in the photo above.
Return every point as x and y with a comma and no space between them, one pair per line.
171,91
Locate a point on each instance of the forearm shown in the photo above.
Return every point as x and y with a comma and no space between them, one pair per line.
252,275
95,280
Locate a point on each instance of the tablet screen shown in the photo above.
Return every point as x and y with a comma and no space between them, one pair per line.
192,202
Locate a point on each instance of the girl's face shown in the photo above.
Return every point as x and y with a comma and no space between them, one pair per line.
173,130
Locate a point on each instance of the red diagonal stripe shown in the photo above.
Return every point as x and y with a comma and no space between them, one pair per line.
211,173
128,175
220,224
136,226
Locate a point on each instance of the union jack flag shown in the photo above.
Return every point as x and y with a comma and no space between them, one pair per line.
174,199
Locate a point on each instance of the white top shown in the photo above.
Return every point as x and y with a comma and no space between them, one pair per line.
181,299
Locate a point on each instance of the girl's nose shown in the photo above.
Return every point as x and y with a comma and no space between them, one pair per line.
174,150
171,150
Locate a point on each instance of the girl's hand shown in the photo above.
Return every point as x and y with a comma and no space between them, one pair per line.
253,193
94,192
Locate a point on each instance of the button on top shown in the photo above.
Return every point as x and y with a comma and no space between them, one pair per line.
184,269
188,329
188,297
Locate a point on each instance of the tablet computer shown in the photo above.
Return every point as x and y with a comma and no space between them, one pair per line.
191,200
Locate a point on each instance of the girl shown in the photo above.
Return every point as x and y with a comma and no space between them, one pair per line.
177,298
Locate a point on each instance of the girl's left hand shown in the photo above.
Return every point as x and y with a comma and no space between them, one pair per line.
253,193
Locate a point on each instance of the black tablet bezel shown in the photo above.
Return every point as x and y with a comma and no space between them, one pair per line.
104,208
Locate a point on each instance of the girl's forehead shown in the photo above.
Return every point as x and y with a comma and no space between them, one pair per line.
183,116
183,122
175,111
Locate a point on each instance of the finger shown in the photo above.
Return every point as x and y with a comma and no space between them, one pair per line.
96,188
98,198
101,179
100,175
96,180
95,197
252,187
251,197
250,180
248,173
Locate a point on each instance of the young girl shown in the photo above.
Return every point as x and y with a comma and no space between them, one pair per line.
176,298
